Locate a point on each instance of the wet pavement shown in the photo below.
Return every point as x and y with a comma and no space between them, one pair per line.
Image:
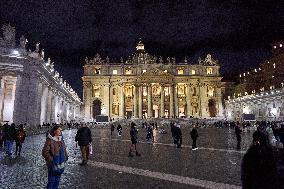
216,164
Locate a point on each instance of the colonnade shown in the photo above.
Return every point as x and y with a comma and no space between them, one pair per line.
138,101
27,100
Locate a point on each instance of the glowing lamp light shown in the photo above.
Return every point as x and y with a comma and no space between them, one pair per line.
15,52
103,110
274,111
229,114
246,110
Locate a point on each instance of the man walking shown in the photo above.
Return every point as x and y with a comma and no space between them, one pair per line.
238,135
194,135
84,139
10,132
178,135
133,135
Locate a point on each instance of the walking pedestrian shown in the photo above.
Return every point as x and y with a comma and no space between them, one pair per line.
194,135
10,132
238,135
178,135
111,128
150,135
20,138
119,130
55,155
133,136
1,136
84,139
258,169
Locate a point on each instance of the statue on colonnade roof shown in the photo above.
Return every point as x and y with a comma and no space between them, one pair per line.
23,42
9,34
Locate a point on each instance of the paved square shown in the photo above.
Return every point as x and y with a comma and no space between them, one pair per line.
216,164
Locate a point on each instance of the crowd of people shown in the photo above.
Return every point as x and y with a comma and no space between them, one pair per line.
10,134
262,164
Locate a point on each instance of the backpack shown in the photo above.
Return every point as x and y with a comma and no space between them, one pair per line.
20,135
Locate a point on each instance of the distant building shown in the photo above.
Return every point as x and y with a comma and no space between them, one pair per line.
260,91
145,86
32,91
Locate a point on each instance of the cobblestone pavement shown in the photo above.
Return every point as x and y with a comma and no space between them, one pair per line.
216,164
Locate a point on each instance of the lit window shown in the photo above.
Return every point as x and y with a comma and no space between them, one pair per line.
180,72
143,71
165,71
244,74
255,70
274,47
97,71
193,72
274,65
128,72
114,72
240,75
280,45
209,71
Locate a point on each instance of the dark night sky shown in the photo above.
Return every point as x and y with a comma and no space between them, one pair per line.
238,33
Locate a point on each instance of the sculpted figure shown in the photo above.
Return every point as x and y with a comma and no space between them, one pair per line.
37,47
23,42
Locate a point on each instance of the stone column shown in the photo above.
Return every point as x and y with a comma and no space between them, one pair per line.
135,100
49,100
149,95
122,102
110,100
1,97
171,115
87,90
44,101
52,108
140,102
176,106
106,99
188,102
162,114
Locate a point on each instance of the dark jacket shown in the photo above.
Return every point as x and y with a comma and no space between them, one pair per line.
258,170
133,133
10,132
194,134
83,136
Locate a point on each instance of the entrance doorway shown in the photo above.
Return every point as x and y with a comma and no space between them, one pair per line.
212,108
97,105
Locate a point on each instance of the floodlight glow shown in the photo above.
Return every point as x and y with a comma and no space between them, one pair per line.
15,52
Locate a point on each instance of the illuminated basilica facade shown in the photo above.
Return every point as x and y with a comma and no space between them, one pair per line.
146,86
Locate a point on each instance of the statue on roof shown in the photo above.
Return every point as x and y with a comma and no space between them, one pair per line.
23,42
37,47
86,60
42,54
107,60
161,60
9,34
185,60
48,61
208,61
168,60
